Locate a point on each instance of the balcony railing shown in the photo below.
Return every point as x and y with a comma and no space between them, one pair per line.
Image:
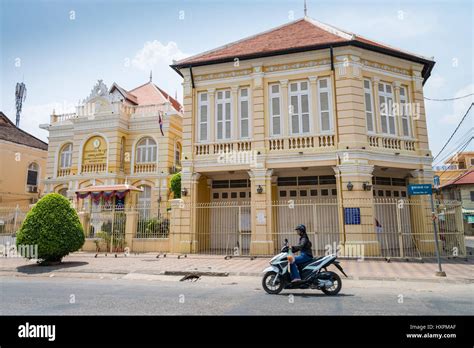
392,143
94,168
140,168
300,142
227,147
64,172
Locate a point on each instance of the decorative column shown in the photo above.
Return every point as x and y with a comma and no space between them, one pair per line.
421,214
313,80
235,128
211,117
285,109
258,109
359,238
261,211
375,93
396,111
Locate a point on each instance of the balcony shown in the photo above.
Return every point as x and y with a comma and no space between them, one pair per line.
300,143
391,143
226,147
94,168
140,168
64,172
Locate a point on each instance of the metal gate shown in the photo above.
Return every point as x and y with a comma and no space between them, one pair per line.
107,228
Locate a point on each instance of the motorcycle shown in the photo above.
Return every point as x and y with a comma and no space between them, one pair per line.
314,274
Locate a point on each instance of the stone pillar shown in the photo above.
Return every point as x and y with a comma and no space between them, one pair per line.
131,223
235,128
211,117
314,104
261,212
375,94
183,237
84,218
258,110
396,111
421,214
358,240
285,109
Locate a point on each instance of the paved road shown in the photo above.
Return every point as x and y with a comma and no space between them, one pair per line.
155,295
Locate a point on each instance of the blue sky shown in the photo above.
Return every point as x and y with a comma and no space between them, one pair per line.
60,48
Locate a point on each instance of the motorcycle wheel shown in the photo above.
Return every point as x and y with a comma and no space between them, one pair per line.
267,283
336,286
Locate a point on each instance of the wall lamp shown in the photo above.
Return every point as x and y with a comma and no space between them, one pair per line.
184,191
350,186
366,186
259,189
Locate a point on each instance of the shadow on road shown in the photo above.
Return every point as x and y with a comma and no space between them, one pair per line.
312,295
37,269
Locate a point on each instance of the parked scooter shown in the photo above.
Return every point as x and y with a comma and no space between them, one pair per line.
314,274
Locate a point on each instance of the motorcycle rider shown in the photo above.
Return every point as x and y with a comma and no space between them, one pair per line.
304,247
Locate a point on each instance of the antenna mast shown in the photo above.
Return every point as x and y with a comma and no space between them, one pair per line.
20,96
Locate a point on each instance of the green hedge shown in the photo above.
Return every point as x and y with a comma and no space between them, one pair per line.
54,226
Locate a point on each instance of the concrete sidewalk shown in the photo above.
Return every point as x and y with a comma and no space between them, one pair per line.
457,270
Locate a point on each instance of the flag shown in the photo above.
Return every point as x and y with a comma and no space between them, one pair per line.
160,120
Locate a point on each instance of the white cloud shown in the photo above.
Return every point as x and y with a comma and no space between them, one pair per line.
155,53
34,115
460,106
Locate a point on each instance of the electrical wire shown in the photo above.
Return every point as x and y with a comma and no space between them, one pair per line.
448,99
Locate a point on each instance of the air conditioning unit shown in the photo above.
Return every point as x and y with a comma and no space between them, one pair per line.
32,189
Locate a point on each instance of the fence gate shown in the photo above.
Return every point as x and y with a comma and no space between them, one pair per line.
223,228
107,227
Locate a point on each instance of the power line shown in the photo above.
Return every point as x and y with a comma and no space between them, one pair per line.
461,150
467,112
461,140
448,99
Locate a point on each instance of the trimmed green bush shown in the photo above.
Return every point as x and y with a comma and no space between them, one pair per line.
176,185
54,226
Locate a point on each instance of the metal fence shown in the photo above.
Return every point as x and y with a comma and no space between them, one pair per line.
107,227
386,227
11,219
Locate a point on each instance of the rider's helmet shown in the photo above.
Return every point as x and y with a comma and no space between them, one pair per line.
301,229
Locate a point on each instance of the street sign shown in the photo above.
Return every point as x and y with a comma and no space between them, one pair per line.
436,181
420,189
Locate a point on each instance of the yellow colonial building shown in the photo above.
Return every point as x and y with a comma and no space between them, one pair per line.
22,165
304,123
114,138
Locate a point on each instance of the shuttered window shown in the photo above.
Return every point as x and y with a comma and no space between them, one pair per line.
203,107
404,114
387,117
275,109
244,112
325,113
369,106
299,107
223,106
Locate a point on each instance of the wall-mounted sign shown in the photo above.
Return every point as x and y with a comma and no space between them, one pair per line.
95,151
420,189
352,216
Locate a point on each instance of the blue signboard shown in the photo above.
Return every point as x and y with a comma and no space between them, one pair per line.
420,189
352,216
436,181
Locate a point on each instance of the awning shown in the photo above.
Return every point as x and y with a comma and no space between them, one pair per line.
106,191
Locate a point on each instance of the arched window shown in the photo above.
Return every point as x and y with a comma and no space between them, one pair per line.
122,154
65,158
177,155
32,178
146,151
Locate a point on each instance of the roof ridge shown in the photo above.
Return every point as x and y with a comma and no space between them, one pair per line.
330,28
238,41
22,131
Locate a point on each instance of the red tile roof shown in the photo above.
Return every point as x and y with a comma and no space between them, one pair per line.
463,179
9,132
147,94
301,35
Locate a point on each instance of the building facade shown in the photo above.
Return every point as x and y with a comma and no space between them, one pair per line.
455,166
22,165
114,138
302,112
